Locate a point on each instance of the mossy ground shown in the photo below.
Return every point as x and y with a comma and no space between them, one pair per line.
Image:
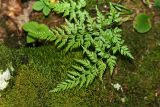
39,69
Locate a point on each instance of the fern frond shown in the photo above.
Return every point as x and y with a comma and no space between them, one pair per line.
99,40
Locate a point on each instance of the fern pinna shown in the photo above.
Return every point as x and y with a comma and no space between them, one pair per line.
96,36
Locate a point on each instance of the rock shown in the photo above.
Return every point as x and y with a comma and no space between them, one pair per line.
16,13
14,8
54,20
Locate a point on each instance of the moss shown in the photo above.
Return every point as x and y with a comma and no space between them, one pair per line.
141,84
5,57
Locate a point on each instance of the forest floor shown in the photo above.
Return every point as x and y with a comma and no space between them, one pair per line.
39,69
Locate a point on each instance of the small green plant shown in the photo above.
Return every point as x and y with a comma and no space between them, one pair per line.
142,23
98,38
43,5
34,29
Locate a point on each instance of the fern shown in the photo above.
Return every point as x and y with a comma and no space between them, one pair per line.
99,40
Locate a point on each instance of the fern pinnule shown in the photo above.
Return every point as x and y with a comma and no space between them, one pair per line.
111,62
68,84
78,68
73,73
101,67
85,63
88,40
92,56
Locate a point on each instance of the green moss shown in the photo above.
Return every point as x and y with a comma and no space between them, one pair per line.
5,57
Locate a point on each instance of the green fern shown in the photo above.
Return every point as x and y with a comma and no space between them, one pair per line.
97,38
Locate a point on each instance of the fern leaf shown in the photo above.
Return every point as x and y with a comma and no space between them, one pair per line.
91,74
125,51
98,46
74,29
91,55
100,17
70,43
78,68
89,79
58,40
72,15
66,29
68,84
83,80
101,68
81,4
88,40
85,63
63,42
74,73
103,55
111,61
73,5
60,31
78,42
71,76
